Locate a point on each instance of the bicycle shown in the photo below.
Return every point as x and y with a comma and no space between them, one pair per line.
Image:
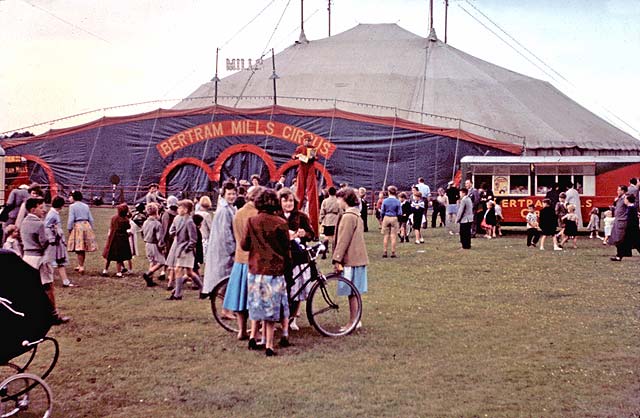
328,309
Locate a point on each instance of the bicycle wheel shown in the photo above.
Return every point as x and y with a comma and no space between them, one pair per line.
328,307
226,319
25,394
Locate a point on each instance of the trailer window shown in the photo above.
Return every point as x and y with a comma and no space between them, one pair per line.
519,185
478,180
544,184
564,182
578,182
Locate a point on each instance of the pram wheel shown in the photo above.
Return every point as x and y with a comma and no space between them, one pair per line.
25,394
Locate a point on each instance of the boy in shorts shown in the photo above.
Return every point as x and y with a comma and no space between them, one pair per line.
35,243
390,211
153,237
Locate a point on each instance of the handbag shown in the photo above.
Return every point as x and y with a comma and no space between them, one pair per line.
484,224
4,214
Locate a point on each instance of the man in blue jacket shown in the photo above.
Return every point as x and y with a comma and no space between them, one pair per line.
390,210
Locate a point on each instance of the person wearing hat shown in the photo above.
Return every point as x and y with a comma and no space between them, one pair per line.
34,190
306,190
154,195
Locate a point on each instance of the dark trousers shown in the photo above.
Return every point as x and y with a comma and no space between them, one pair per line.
438,210
532,236
477,221
365,220
623,249
465,235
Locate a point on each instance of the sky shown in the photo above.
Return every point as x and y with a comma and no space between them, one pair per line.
64,57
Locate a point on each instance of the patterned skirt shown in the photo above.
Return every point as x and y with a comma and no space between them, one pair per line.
300,281
357,276
267,297
82,238
236,297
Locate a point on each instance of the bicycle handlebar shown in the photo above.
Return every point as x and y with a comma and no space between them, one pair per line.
315,250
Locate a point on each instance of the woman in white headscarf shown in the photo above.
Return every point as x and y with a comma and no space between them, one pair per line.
221,250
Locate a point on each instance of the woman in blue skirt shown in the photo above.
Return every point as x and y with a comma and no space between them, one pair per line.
236,297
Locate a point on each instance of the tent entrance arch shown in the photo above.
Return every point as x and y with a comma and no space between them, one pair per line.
189,161
240,150
41,172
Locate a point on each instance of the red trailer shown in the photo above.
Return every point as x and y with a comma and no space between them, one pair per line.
14,174
520,181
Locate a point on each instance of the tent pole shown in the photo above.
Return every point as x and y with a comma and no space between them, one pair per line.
446,12
393,132
329,10
430,15
274,77
216,79
455,156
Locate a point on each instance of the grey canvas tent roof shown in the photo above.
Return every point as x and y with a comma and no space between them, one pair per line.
383,69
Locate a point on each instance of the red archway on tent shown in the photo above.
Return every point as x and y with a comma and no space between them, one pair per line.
294,163
238,148
182,161
53,187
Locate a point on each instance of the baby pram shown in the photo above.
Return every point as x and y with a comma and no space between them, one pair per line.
25,318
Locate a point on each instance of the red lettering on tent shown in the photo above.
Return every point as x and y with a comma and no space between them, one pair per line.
258,127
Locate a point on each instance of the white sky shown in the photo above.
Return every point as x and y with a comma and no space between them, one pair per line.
62,57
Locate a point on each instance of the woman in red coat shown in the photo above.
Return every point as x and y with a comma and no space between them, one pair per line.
118,248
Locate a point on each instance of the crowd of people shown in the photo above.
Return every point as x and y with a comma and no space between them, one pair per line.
468,211
256,238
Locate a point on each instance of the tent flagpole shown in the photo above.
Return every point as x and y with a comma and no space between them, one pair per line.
455,156
393,131
215,80
274,77
446,19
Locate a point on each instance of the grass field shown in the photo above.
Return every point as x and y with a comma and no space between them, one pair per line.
497,331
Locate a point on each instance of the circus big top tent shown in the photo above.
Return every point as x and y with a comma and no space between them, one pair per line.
383,105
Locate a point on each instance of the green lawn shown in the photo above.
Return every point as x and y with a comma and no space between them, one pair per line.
497,331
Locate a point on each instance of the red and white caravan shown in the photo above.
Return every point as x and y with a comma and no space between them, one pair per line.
523,180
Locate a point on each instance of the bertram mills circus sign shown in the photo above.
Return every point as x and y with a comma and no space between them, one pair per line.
225,128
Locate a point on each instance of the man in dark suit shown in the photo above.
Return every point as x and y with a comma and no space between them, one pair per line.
474,195
465,218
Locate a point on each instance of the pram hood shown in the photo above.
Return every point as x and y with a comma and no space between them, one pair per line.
25,310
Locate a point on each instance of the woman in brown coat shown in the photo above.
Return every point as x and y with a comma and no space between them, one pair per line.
118,248
349,250
266,239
